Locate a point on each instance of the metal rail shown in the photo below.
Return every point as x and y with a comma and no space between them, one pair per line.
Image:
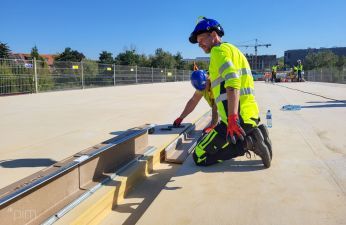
50,190
75,163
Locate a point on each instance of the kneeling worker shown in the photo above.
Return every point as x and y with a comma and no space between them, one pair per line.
233,89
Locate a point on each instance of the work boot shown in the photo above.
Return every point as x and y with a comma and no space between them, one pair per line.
267,141
254,142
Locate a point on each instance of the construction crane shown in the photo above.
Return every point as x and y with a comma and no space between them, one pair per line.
256,45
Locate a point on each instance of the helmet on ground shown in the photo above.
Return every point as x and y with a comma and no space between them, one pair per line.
205,25
199,79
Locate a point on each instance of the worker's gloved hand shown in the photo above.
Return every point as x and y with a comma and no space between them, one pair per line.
234,129
208,129
177,122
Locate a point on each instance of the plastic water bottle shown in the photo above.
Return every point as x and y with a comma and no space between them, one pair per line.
269,119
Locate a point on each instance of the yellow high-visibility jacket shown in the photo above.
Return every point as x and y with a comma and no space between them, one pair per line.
208,96
299,67
274,68
230,68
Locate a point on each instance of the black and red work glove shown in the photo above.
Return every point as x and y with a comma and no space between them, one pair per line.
177,122
208,129
234,129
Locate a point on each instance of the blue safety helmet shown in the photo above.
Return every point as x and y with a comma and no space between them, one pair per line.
199,79
205,25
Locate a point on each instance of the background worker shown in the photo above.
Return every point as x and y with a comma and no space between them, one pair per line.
233,89
274,70
201,82
267,77
299,70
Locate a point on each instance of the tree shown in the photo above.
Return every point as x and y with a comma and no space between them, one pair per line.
163,59
91,71
320,59
310,61
34,54
70,55
144,61
4,50
106,58
180,64
326,59
281,63
341,62
129,57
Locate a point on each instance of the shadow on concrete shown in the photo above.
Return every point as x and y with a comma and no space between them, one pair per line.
231,165
334,101
164,129
332,105
171,188
161,129
117,133
146,192
139,201
16,163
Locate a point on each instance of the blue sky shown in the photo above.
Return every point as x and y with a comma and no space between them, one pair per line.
94,26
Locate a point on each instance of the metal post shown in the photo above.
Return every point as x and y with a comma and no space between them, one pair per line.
81,66
175,75
136,74
183,75
114,74
165,75
321,75
35,73
152,75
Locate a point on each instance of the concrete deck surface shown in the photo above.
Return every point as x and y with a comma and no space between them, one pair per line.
306,183
37,130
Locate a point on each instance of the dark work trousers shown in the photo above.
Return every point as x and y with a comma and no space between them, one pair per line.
214,148
273,79
299,75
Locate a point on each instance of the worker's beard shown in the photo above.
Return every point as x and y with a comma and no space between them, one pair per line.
205,49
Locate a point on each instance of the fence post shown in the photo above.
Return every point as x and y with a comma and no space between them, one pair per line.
183,75
81,66
321,75
152,75
114,74
175,75
136,74
165,75
35,75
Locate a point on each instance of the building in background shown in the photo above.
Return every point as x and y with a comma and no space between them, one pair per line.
198,59
291,56
49,58
261,62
